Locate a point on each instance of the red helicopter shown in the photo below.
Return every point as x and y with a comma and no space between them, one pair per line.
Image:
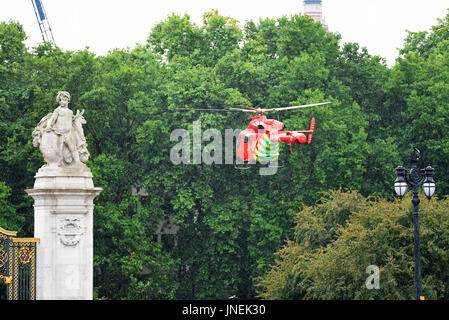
260,141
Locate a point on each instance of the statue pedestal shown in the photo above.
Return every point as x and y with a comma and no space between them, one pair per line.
63,220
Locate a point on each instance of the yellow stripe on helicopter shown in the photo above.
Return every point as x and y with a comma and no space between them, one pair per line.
265,150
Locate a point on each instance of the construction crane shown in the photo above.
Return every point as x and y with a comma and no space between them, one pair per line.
42,20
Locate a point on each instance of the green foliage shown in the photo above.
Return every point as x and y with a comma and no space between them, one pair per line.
8,219
179,38
419,94
338,238
13,49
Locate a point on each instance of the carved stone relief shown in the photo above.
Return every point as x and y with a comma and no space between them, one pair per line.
70,231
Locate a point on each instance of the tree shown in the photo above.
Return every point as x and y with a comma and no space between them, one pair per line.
343,234
123,97
178,37
418,97
14,94
230,221
8,219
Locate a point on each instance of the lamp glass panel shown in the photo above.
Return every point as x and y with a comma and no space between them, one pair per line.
429,188
400,188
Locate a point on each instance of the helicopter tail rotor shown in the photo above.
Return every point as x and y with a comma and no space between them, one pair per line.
312,128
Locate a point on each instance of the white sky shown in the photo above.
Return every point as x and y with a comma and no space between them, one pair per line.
103,25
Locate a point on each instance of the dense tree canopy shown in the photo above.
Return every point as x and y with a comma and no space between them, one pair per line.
336,240
231,222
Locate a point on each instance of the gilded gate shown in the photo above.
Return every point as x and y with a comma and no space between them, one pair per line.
18,265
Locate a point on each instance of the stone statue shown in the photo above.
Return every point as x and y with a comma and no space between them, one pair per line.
63,194
60,136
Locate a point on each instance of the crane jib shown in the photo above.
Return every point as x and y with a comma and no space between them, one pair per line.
40,10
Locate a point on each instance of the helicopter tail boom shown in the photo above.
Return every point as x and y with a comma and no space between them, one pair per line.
297,137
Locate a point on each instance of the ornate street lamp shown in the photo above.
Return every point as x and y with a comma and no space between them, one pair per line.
415,178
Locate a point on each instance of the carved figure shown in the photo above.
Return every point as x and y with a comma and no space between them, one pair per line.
60,135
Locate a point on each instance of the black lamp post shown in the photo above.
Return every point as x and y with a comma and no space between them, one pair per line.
415,178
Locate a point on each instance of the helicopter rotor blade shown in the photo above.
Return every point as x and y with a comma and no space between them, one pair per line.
297,107
244,107
186,109
242,110
239,108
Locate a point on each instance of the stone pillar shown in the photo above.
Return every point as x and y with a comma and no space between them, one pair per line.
63,220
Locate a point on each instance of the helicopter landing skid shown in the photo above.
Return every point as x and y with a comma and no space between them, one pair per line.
247,167
241,167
